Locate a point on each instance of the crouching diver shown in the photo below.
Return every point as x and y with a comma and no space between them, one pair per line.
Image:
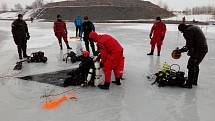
112,58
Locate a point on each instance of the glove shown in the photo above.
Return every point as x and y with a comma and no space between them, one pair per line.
55,34
28,36
96,53
184,49
162,38
190,52
150,35
101,65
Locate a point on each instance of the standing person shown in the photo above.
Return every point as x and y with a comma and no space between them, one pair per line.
78,23
88,27
60,31
197,48
157,35
112,58
20,35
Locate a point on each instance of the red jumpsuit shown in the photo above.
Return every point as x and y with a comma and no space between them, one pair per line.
60,30
158,31
111,55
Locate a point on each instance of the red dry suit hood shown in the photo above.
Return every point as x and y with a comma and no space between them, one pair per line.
94,36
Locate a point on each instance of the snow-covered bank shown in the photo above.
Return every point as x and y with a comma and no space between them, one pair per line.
13,15
201,18
135,100
8,15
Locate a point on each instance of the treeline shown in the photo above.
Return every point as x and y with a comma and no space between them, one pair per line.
201,10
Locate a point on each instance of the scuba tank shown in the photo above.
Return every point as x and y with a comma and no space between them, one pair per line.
97,73
89,76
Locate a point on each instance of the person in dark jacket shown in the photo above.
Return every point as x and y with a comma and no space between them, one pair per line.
78,23
197,48
88,27
20,35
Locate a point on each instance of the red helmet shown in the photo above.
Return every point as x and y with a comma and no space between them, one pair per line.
85,53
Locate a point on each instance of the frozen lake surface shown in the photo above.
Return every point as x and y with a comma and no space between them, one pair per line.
135,100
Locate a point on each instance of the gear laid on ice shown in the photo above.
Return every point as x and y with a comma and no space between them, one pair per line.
176,54
73,57
37,57
168,76
18,66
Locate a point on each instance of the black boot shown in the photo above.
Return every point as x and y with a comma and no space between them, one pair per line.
20,56
24,49
117,81
158,53
122,78
187,85
19,52
189,82
151,53
105,86
61,46
67,45
195,78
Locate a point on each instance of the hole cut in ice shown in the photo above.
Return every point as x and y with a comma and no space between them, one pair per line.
55,78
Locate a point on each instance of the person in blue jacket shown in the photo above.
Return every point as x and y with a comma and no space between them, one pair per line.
78,23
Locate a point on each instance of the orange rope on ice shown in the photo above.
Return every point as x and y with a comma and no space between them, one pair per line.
55,103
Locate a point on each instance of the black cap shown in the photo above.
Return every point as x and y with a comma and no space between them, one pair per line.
86,18
20,15
158,18
58,16
182,27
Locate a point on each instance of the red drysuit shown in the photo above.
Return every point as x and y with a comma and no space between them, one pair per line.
111,55
60,30
158,31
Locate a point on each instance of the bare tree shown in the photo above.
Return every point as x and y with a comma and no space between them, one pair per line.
37,4
201,10
4,6
163,5
166,7
18,7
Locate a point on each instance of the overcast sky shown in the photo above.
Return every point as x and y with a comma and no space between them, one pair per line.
173,4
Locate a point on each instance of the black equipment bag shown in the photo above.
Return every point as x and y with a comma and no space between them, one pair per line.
174,78
37,57
73,57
